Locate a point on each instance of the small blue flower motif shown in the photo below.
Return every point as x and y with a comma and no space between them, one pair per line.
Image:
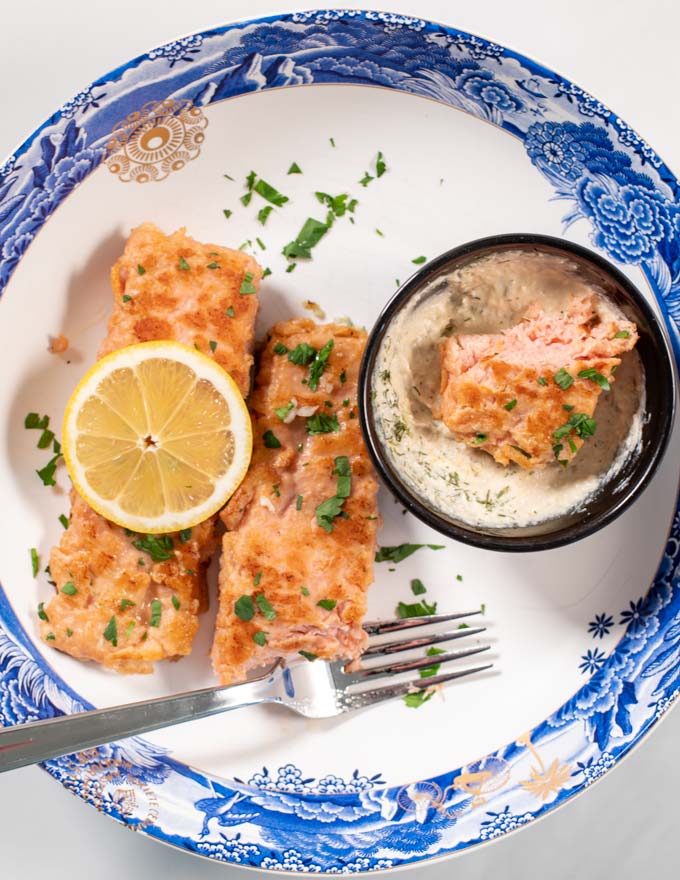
291,860
634,616
593,660
290,779
231,850
502,822
7,167
629,220
82,102
261,780
601,625
665,703
593,769
587,105
480,85
476,48
557,147
631,138
179,50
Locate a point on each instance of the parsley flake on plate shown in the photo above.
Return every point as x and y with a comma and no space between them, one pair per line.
320,423
402,551
35,562
271,441
265,607
594,376
563,378
247,285
294,169
244,608
156,612
111,632
260,638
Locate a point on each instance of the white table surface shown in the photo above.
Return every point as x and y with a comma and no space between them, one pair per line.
625,53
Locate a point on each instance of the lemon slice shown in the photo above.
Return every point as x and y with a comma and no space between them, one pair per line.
157,437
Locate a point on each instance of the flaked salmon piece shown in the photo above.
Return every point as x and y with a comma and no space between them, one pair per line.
499,391
132,607
275,547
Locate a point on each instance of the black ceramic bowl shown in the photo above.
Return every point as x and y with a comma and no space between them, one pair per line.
612,497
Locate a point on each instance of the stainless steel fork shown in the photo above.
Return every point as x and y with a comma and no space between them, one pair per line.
316,689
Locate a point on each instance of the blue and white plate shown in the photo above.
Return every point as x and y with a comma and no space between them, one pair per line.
587,637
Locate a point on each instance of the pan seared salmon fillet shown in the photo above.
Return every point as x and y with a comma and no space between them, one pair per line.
303,570
126,600
509,393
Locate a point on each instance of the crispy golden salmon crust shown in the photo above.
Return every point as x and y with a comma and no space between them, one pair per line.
110,618
482,374
274,546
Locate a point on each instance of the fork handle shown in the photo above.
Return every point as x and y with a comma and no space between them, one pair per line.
38,741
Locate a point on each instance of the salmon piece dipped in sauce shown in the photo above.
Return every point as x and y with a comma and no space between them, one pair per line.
301,530
122,599
527,395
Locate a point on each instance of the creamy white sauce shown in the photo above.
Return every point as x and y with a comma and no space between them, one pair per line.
488,296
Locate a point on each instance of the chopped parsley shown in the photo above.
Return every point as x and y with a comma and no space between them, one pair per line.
308,655
332,141
266,272
480,438
511,404
227,213
184,536
327,604
380,166
429,671
282,411
257,578
298,502
265,606
415,609
111,632
50,637
183,264
127,298
304,591
247,285
245,199
261,244
46,439
568,407
581,423
417,698
42,614
402,551
33,420
156,611
213,346
213,265
35,562
366,179
622,334
318,365
275,487
542,380
141,270
419,260
308,237
291,267
280,348
260,638
329,509
294,169
343,377
63,519
69,631
69,588
229,177
126,603
320,423
594,376
264,213
271,441
418,587
269,193
159,547
459,577
563,379
380,233
301,355
46,474
244,608
128,629
338,205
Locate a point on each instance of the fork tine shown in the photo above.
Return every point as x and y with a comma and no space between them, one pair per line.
377,695
422,642
381,627
412,665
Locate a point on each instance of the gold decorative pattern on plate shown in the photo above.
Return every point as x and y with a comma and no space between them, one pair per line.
151,143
